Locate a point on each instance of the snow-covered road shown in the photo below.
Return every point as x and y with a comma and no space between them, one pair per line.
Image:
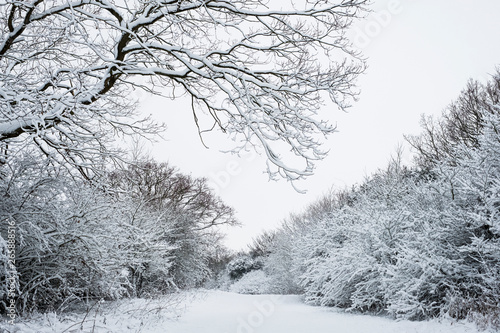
223,312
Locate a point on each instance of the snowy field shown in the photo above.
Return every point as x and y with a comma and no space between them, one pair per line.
224,312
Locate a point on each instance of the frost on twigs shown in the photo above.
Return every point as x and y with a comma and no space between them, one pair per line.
130,315
67,71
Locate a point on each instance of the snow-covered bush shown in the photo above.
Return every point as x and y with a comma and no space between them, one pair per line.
254,282
8,275
74,240
410,248
189,214
354,247
78,240
475,181
242,265
280,265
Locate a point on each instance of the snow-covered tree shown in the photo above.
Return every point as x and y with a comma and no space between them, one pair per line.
460,123
280,265
187,208
474,178
257,69
75,241
416,242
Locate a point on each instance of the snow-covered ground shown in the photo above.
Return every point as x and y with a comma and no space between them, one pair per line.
224,312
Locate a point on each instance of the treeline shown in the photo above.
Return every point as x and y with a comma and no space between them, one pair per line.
140,230
415,241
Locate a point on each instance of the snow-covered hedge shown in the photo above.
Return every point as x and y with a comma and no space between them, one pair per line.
415,249
414,242
81,241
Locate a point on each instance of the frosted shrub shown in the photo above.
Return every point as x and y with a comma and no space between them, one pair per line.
476,183
242,265
281,265
346,269
7,272
357,244
254,282
416,248
75,241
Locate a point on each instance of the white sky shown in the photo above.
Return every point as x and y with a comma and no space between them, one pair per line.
420,55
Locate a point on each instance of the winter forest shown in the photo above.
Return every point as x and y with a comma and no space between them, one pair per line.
87,217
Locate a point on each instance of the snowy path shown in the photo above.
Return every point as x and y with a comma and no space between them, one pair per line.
222,312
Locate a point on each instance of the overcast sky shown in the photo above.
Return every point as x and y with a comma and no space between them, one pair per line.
420,55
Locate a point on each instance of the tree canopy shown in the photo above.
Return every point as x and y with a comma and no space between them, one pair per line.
259,71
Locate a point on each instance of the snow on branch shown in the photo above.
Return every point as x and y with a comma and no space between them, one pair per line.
66,68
